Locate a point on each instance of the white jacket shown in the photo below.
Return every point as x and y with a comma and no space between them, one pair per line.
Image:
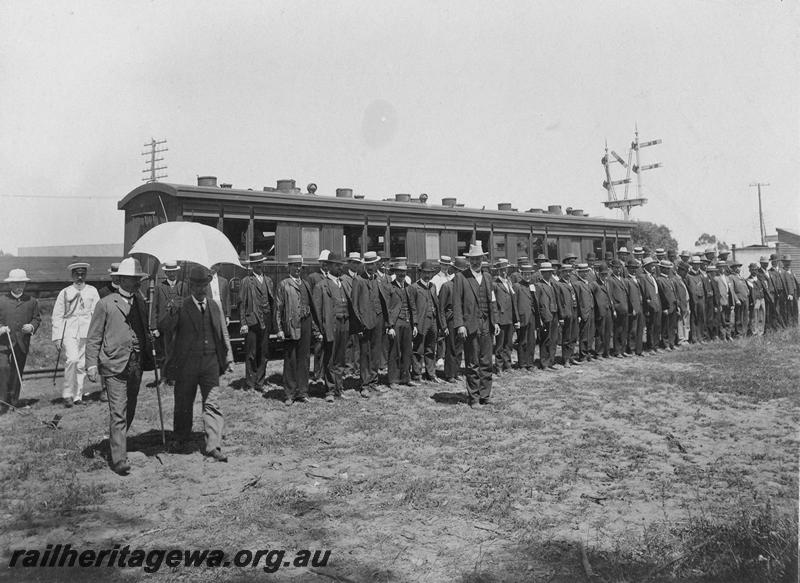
72,312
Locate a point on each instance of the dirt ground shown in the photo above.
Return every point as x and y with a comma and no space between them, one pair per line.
606,469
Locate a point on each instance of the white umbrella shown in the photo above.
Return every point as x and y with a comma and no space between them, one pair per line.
186,241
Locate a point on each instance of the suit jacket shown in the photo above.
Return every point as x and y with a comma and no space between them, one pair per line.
423,299
776,275
695,285
566,305
726,291
651,298
666,291
547,296
602,299
526,303
681,291
325,295
183,321
620,294
466,309
106,290
15,313
315,278
446,301
506,306
289,307
740,288
362,301
397,296
583,292
164,296
256,301
635,294
790,283
109,342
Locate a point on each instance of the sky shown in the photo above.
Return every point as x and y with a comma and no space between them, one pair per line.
508,101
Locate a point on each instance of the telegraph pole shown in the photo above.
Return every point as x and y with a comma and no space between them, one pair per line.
150,164
761,212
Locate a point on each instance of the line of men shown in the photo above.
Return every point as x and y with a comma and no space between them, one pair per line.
356,314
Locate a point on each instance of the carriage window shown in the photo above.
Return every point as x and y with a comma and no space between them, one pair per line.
499,245
264,238
464,240
376,240
210,221
310,242
483,237
352,238
552,249
236,232
397,246
597,248
432,245
537,248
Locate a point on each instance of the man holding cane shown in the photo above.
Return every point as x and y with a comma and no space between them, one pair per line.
72,313
117,348
19,319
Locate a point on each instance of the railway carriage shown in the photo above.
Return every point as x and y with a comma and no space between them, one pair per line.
280,221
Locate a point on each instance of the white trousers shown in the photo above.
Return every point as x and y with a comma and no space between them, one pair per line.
74,368
758,317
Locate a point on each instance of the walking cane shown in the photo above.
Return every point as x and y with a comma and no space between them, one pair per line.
58,356
152,289
14,356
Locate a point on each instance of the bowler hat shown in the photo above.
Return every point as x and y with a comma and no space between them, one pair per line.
773,256
786,258
590,257
200,274
602,267
428,265
334,258
460,263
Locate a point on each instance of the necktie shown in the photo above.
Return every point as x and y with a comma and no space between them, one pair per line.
203,308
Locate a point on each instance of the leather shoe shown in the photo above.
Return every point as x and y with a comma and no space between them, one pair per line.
123,468
217,455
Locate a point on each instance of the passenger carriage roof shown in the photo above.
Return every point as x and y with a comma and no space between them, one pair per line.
217,194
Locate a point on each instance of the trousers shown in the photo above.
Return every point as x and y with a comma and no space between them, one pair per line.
202,371
123,395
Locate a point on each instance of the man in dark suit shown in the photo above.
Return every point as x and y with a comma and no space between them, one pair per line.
651,302
428,324
400,325
636,315
569,313
201,353
792,287
620,302
164,296
19,320
317,345
349,274
370,300
695,284
333,315
256,308
295,319
507,317
669,306
603,312
550,313
528,314
583,291
117,348
475,319
454,344
742,304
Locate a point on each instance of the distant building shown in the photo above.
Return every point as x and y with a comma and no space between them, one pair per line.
789,244
751,253
104,250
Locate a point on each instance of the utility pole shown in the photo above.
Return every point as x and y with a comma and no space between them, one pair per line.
150,164
761,212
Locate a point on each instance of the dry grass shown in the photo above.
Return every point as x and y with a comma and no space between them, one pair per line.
680,467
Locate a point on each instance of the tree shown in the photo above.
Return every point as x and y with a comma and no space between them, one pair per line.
652,236
707,240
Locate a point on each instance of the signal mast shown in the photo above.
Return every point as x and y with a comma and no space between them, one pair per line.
625,204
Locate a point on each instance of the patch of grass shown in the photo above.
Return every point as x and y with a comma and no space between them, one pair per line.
754,544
